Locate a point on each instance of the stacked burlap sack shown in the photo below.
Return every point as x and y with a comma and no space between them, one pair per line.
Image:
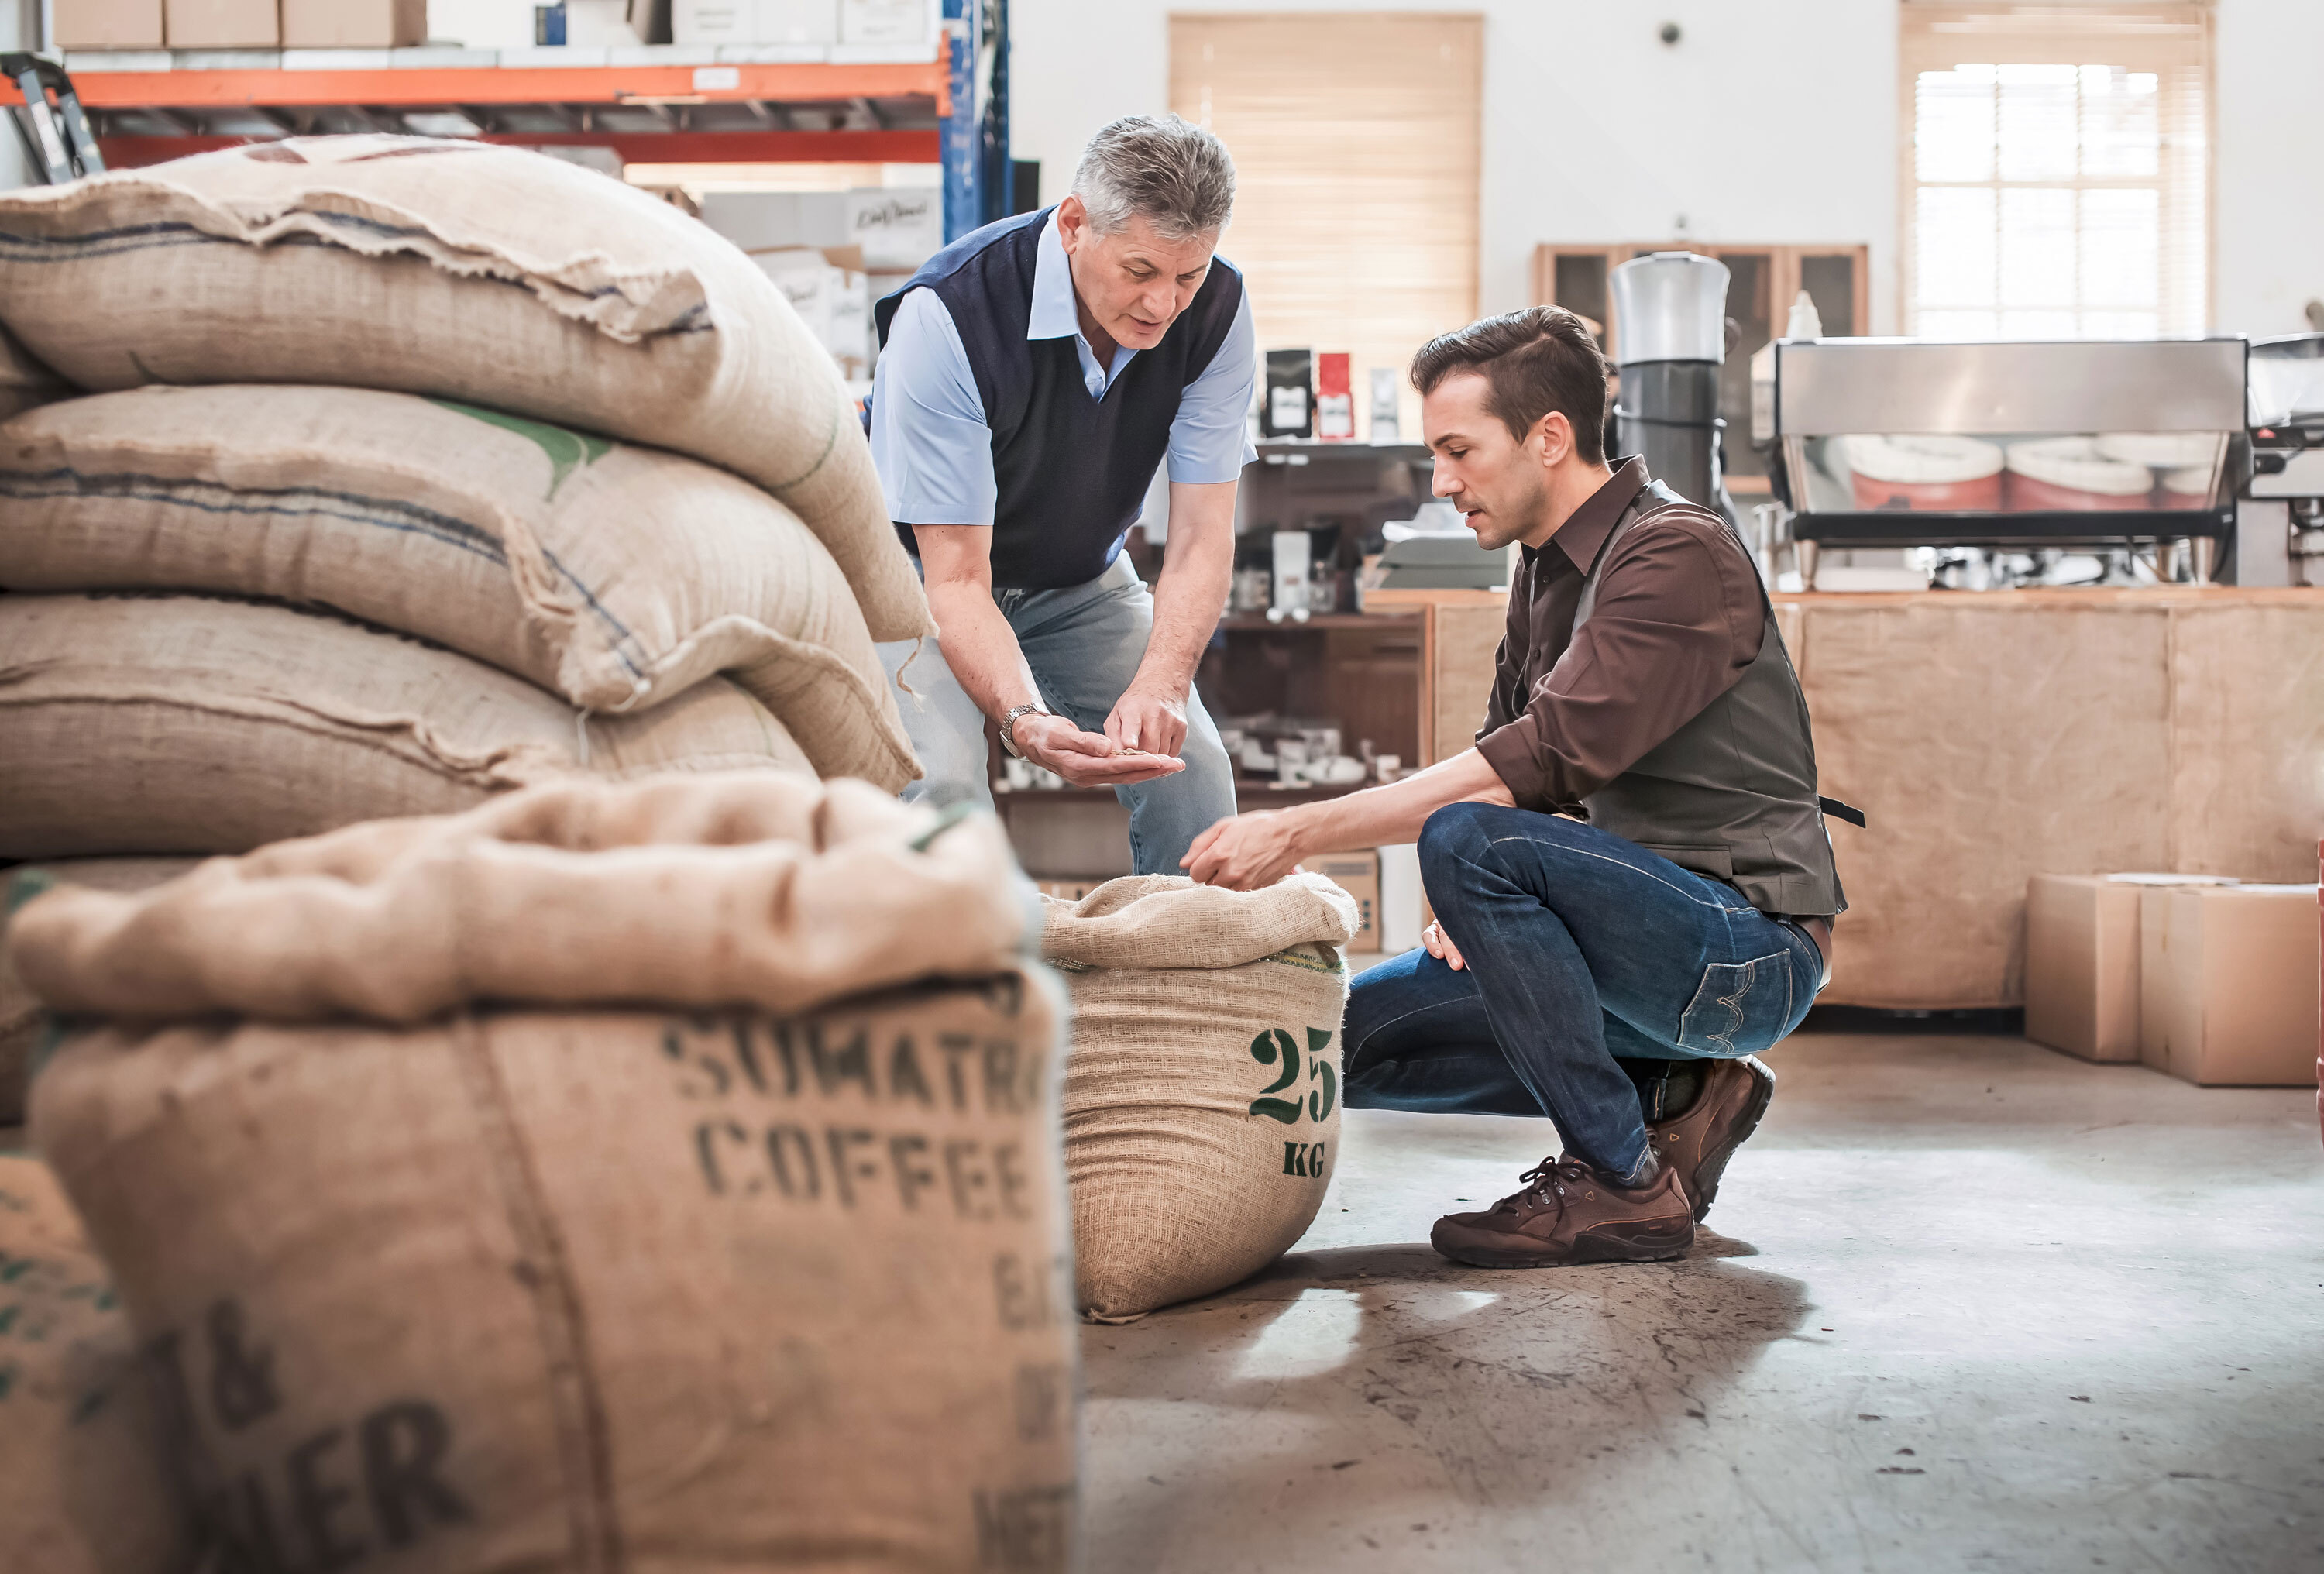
1202,1096
85,1487
409,472
23,1023
648,1176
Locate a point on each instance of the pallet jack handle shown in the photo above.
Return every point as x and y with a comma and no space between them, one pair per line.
57,136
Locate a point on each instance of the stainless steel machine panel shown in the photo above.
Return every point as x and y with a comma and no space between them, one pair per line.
1826,387
2009,446
1670,306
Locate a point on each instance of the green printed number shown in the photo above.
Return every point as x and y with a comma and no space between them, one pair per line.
1274,1046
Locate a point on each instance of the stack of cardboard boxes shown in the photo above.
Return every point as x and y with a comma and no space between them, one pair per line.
245,24
826,287
891,22
238,24
2205,978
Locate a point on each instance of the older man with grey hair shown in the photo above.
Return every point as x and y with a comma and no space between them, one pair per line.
1033,378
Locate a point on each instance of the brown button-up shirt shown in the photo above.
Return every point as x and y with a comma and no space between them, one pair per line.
1677,618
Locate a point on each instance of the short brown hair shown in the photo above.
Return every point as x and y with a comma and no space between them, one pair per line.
1537,360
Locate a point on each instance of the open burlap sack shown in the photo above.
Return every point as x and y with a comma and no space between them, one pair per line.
25,381
151,724
1202,1097
463,270
86,1486
675,1289
615,576
23,1021
749,888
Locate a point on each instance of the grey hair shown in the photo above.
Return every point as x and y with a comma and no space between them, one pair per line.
1170,170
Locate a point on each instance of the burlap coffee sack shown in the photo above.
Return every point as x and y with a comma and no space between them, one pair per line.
1202,1097
85,1480
25,382
600,1291
615,576
154,724
744,889
23,1021
466,272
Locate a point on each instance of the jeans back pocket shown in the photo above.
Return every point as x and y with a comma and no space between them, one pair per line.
1741,1008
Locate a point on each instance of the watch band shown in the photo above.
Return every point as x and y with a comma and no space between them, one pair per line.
1009,728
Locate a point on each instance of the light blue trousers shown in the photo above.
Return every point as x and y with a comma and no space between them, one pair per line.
1083,645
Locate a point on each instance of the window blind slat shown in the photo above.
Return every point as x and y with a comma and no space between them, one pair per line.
1356,143
2059,161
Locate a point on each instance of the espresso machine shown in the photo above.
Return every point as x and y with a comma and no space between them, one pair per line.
2280,516
2116,448
1670,336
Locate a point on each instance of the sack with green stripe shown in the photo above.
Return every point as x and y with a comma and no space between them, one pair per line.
615,576
437,266
1202,1096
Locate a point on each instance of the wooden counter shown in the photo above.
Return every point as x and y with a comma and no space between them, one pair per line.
1996,736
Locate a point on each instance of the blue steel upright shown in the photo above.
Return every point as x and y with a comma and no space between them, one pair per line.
975,135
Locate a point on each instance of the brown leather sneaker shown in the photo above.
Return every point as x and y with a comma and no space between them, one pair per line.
1569,1213
1699,1143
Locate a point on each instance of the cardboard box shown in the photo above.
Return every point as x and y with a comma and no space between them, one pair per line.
107,25
830,297
1403,903
700,22
2227,983
1072,890
221,24
887,22
797,21
2083,960
897,227
742,21
354,24
1358,874
2081,965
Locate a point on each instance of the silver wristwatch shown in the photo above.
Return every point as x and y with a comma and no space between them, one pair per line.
1009,728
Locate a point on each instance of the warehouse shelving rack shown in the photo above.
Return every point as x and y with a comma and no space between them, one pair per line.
651,103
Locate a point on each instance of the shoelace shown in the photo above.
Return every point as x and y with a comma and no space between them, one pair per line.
1542,1178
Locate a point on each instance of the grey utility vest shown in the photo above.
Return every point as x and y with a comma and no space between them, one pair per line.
1732,793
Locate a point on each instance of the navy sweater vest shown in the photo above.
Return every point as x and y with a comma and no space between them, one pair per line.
1070,471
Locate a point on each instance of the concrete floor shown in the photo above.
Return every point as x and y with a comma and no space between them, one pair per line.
1963,1304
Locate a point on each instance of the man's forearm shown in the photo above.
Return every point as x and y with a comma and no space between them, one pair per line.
980,648
1196,570
1383,816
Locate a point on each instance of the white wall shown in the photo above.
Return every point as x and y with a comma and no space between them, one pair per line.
2268,241
1771,120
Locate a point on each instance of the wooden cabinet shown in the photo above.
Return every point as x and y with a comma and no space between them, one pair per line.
1763,282
1460,635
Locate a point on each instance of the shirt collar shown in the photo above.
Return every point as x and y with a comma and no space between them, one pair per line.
1583,534
1053,314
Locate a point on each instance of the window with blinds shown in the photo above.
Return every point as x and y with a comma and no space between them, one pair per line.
2057,177
1355,138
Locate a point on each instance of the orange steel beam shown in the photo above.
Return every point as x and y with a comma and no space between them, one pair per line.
667,147
506,85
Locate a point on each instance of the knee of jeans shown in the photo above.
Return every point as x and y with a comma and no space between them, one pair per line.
1451,836
1204,752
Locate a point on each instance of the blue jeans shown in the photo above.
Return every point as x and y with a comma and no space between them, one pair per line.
1584,951
1083,645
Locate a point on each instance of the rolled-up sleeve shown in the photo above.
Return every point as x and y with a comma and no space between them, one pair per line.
929,438
1677,621
1210,439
